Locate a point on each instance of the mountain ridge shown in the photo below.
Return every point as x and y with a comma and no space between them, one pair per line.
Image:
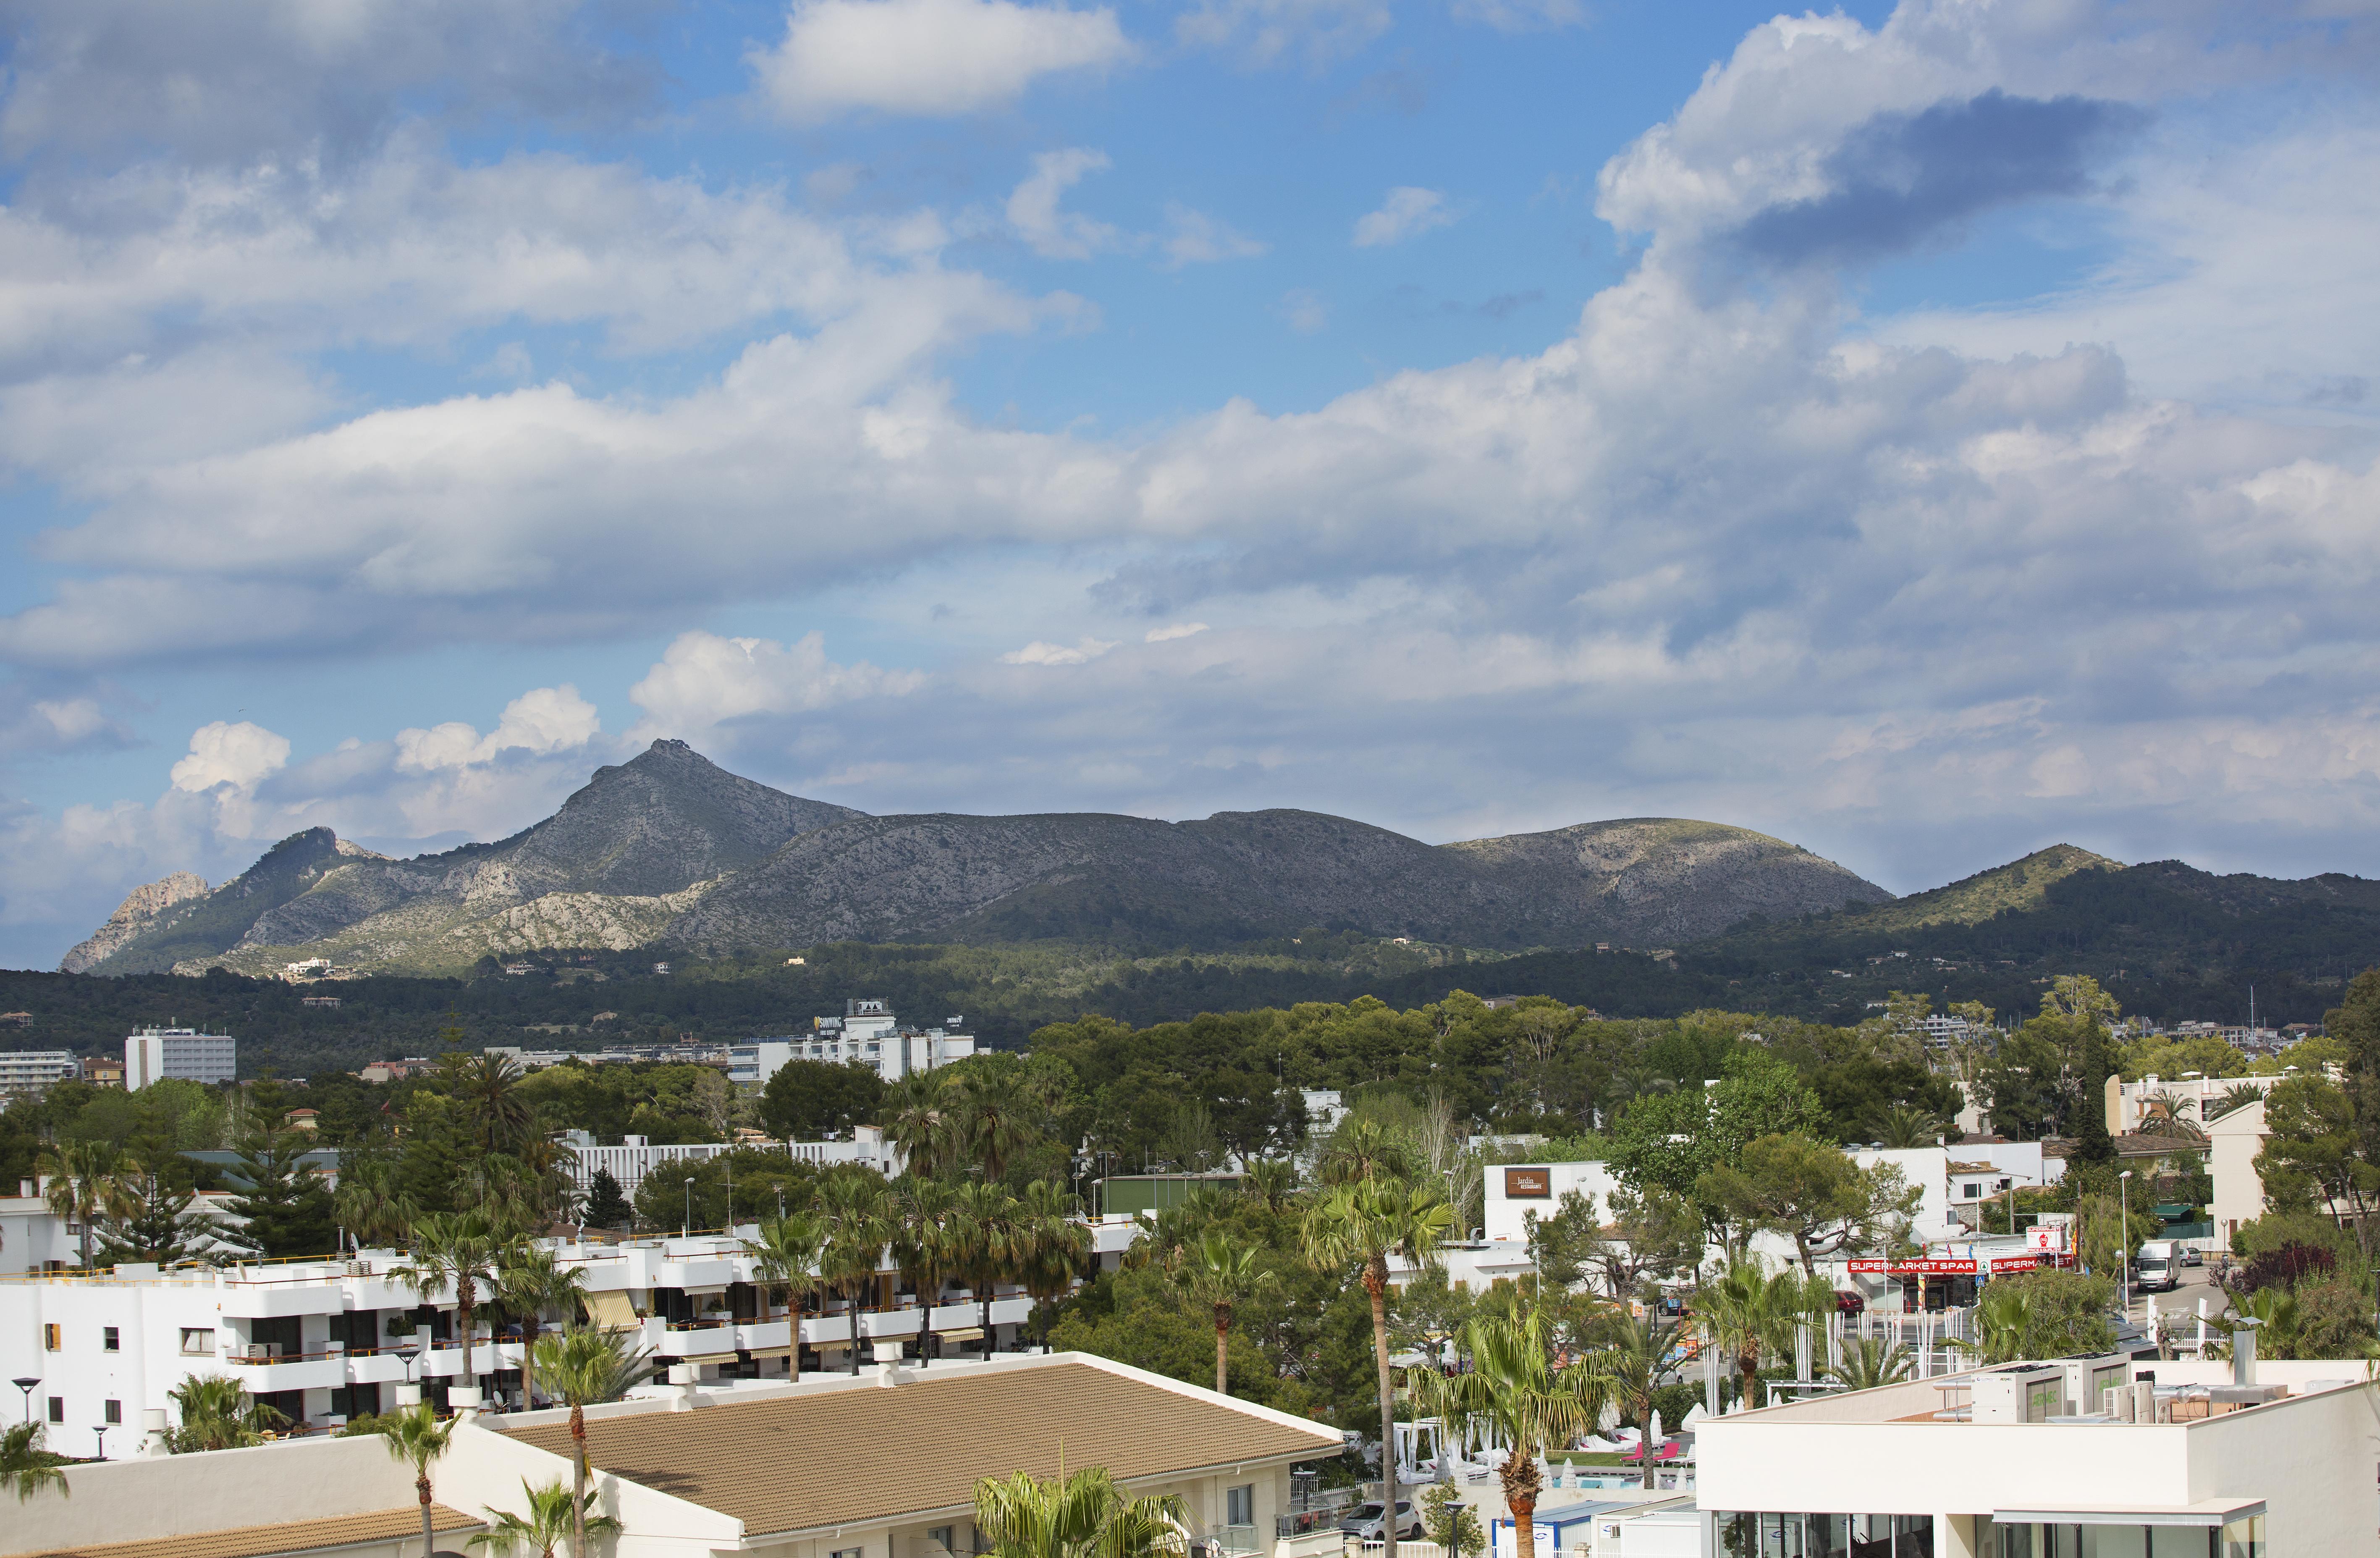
669,850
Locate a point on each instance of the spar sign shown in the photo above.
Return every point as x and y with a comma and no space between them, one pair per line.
1955,1265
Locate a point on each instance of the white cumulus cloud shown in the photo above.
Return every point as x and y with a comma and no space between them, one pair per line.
548,719
1407,212
928,58
238,754
703,680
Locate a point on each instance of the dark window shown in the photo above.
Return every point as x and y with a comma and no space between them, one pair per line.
57,1409
108,1340
115,1412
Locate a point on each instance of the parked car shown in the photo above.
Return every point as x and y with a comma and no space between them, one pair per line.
1849,1303
2192,1256
1365,1523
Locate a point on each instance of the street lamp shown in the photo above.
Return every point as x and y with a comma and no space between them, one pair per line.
100,1430
2124,1205
687,1231
26,1386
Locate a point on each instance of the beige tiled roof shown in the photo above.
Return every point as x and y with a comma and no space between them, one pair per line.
290,1537
840,1457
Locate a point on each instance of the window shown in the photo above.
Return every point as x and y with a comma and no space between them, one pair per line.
114,1413
53,1337
57,1409
848,1553
1240,1506
198,1341
108,1340
944,1537
1972,1191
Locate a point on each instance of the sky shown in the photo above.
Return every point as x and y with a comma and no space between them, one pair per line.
1925,432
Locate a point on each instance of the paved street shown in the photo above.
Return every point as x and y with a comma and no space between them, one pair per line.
2197,1282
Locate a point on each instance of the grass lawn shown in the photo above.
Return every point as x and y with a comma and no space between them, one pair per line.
1586,1457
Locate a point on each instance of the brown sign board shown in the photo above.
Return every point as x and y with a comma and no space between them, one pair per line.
1528,1181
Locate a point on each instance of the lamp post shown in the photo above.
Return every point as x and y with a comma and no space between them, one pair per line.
687,1231
100,1430
26,1384
2124,1207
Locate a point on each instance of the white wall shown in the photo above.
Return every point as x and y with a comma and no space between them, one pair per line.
2235,1139
179,1495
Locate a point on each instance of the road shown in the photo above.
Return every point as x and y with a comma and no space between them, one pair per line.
2197,1282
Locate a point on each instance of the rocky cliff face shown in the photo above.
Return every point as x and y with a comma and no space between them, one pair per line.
136,914
671,850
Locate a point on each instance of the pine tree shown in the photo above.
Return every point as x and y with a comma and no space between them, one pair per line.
2096,1061
160,1227
606,1206
287,1206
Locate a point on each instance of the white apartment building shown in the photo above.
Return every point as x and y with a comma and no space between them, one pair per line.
2072,1458
154,1055
630,1163
35,1071
325,1340
867,1033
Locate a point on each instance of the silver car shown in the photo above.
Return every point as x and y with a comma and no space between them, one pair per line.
1365,1524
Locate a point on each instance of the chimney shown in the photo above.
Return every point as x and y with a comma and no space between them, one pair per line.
2243,1352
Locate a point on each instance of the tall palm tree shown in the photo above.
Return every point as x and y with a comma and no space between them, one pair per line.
1053,1246
2163,1112
1365,1224
581,1367
1273,1181
984,1226
1636,1355
1870,1361
925,1250
488,1089
855,1213
1218,1275
1746,1310
217,1414
1082,1515
25,1467
555,1517
529,1280
922,1118
456,1249
1362,1147
87,1183
371,1207
786,1263
995,1122
1513,1387
419,1440
1902,1125
2003,1315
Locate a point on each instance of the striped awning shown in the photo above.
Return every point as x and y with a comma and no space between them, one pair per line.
611,1311
757,1352
964,1333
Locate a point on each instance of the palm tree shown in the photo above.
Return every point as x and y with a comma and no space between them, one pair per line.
1636,1356
925,1250
1513,1386
2003,1315
1362,1147
418,1439
2162,1112
921,1119
2238,1095
25,1467
1902,1125
1870,1361
1053,1246
217,1414
984,1227
994,1123
371,1207
1218,1275
2277,1317
488,1087
1273,1181
529,1281
786,1263
1083,1516
87,1182
553,1518
854,1211
1365,1224
1746,1309
582,1367
455,1248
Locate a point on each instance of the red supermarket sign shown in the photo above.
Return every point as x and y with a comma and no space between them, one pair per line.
1953,1266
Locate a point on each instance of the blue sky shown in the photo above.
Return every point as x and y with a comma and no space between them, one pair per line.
1925,432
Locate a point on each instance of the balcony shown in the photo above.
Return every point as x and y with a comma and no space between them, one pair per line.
259,1373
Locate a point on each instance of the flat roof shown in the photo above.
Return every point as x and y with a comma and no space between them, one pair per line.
2206,1512
289,1536
850,1456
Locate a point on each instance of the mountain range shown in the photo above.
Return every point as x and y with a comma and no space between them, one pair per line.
669,850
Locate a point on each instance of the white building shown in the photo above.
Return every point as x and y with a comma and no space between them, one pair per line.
2130,1108
888,1466
2026,1461
867,1033
154,1055
325,1340
630,1163
35,1071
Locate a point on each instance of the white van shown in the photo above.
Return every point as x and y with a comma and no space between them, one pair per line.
2159,1266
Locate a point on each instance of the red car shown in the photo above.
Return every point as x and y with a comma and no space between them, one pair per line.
1849,1303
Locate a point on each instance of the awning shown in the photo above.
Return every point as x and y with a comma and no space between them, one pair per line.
756,1353
964,1334
611,1311
708,1358
2206,1512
